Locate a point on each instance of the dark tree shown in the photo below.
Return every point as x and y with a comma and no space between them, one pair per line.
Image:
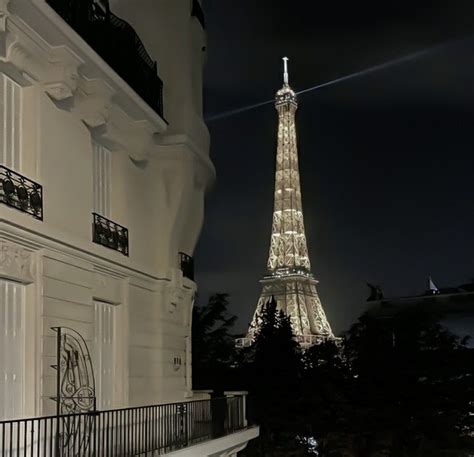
273,370
328,393
212,344
414,386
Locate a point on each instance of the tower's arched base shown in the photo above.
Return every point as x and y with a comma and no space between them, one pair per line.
295,295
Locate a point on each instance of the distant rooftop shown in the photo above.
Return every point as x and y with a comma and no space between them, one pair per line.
445,300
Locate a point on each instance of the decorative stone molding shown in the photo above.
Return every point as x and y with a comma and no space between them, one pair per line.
92,101
25,61
135,137
3,14
175,298
16,263
60,81
205,172
42,49
106,288
178,302
55,68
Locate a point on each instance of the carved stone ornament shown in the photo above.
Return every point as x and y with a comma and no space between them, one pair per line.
92,102
60,82
175,298
15,263
3,14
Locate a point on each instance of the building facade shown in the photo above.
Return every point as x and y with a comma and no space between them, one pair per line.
453,305
104,163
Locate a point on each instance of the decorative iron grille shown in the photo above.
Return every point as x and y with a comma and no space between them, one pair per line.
109,234
187,265
21,193
117,42
198,13
75,393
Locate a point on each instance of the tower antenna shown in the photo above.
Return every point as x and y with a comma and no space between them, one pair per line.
285,70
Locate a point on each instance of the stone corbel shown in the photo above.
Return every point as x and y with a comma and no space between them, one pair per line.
22,58
135,137
55,68
92,101
61,78
174,299
17,46
4,13
16,263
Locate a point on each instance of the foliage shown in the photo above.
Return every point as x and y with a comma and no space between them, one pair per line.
396,387
414,382
273,369
212,344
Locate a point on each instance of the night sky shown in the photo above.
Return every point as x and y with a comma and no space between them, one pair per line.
386,160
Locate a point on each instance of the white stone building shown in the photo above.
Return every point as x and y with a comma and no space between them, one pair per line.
103,170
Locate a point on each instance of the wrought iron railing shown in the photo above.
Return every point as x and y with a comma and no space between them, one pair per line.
186,263
21,193
198,13
116,41
109,234
145,431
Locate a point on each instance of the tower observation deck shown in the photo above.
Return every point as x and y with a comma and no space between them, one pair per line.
289,278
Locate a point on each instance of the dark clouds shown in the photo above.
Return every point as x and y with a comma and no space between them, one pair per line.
386,159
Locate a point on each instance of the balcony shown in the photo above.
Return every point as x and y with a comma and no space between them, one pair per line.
109,234
146,431
186,263
116,41
198,13
21,193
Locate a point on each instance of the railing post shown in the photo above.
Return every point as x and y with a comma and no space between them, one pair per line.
58,390
242,394
107,10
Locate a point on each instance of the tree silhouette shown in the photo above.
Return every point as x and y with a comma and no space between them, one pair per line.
273,369
414,382
401,386
212,344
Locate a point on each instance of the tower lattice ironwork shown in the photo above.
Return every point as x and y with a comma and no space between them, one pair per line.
290,280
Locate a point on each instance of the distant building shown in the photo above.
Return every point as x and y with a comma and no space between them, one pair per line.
447,301
104,163
289,280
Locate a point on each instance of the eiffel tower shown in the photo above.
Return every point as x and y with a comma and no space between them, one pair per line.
289,280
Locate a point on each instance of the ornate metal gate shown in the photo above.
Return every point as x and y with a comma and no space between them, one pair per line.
75,393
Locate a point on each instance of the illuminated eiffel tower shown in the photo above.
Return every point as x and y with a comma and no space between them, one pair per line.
289,278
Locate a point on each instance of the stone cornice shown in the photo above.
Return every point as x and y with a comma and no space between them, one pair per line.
16,263
39,45
33,241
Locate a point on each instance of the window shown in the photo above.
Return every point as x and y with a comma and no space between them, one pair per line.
10,123
102,168
12,349
104,357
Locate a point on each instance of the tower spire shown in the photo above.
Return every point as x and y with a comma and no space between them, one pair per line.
285,70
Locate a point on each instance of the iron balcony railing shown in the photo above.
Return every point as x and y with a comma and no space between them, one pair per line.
198,13
21,193
145,431
186,263
109,234
116,41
